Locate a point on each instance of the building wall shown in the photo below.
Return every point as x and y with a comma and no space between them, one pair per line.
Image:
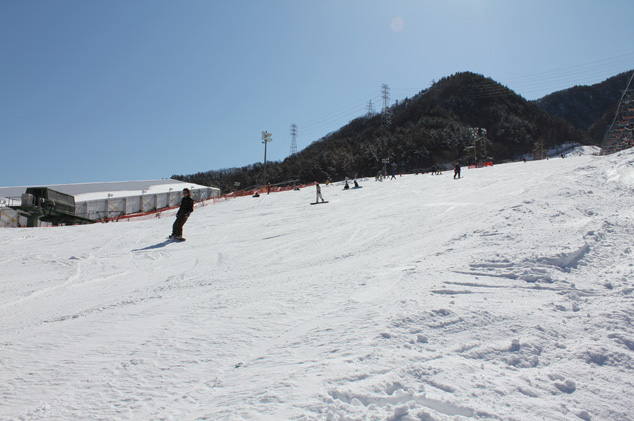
108,207
115,207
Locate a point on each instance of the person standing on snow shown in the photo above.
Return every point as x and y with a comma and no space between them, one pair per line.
186,208
319,196
456,171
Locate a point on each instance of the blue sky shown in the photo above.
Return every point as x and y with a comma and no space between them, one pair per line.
96,90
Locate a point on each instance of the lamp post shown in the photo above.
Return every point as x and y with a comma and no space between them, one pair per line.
266,138
385,162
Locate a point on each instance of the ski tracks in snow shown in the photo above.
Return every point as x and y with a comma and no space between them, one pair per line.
479,299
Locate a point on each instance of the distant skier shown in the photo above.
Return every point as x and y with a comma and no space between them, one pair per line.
456,171
319,196
356,185
347,186
186,208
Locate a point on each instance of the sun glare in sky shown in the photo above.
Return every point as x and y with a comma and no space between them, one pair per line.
397,24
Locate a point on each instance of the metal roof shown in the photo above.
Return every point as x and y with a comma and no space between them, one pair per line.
130,187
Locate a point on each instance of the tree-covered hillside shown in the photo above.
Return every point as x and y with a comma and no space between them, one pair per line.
585,106
432,128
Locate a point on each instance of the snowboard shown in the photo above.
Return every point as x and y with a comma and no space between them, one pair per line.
317,203
181,239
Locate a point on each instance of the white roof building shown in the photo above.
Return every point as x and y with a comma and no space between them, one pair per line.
112,200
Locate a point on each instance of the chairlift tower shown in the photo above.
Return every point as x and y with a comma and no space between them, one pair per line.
538,150
620,134
478,134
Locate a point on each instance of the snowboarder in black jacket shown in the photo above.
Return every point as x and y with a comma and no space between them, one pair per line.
186,208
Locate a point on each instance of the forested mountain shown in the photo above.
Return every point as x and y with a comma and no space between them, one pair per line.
586,106
432,128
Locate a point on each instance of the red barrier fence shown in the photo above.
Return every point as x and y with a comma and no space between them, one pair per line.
481,164
274,189
157,213
232,195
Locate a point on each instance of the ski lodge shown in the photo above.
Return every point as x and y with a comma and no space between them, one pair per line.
70,204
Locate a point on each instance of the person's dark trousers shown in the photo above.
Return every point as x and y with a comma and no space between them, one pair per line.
177,228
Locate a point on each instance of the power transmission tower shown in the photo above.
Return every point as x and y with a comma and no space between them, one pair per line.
387,116
293,139
370,109
620,135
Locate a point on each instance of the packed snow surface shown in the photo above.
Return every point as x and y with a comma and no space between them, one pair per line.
507,294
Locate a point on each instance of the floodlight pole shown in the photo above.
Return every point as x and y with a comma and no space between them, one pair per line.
266,138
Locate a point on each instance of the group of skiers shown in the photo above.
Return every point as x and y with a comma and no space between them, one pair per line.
187,203
347,186
380,176
437,170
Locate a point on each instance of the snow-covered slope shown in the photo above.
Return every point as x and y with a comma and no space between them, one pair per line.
507,294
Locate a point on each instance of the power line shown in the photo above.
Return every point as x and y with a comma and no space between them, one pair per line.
520,85
355,104
576,69
554,79
338,119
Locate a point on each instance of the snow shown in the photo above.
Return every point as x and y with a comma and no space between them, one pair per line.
506,294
